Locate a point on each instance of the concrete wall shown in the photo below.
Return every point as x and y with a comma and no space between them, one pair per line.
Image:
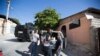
80,34
1,21
10,28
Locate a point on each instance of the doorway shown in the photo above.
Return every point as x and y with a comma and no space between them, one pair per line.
97,47
63,30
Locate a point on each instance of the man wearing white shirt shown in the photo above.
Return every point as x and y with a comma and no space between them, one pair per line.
35,42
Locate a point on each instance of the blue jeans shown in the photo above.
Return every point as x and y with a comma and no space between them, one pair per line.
34,49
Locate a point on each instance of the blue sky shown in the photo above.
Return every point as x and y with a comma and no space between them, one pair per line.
25,10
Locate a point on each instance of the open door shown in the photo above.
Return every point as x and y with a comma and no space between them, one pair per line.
97,47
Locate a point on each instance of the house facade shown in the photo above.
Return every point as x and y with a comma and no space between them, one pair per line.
9,26
82,31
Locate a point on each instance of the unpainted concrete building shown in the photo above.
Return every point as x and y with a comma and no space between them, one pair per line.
9,27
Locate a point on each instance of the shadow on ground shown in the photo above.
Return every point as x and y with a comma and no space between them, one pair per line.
22,53
12,40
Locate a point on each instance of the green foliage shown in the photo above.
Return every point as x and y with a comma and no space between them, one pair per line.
47,16
17,21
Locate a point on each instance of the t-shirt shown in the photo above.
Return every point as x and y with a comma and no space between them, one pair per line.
58,43
35,37
47,39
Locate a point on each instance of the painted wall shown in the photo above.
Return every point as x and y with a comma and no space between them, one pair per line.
80,35
82,38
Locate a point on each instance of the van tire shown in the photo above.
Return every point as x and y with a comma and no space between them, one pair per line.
20,40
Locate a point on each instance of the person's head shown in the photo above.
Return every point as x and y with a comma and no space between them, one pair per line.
55,35
35,31
30,32
41,32
48,28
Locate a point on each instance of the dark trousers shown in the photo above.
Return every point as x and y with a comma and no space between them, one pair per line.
34,49
47,51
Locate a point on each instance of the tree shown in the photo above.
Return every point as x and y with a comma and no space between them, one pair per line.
16,20
47,16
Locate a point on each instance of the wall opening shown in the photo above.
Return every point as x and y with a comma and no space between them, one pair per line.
63,30
97,47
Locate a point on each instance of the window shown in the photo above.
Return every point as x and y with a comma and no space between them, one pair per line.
75,23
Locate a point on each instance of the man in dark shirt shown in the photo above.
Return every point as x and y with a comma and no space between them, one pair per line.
57,49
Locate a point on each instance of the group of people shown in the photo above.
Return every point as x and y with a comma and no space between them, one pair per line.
48,47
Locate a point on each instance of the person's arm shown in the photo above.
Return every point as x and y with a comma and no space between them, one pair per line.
38,40
59,46
57,49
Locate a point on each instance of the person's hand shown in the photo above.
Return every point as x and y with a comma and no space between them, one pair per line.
38,43
26,51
